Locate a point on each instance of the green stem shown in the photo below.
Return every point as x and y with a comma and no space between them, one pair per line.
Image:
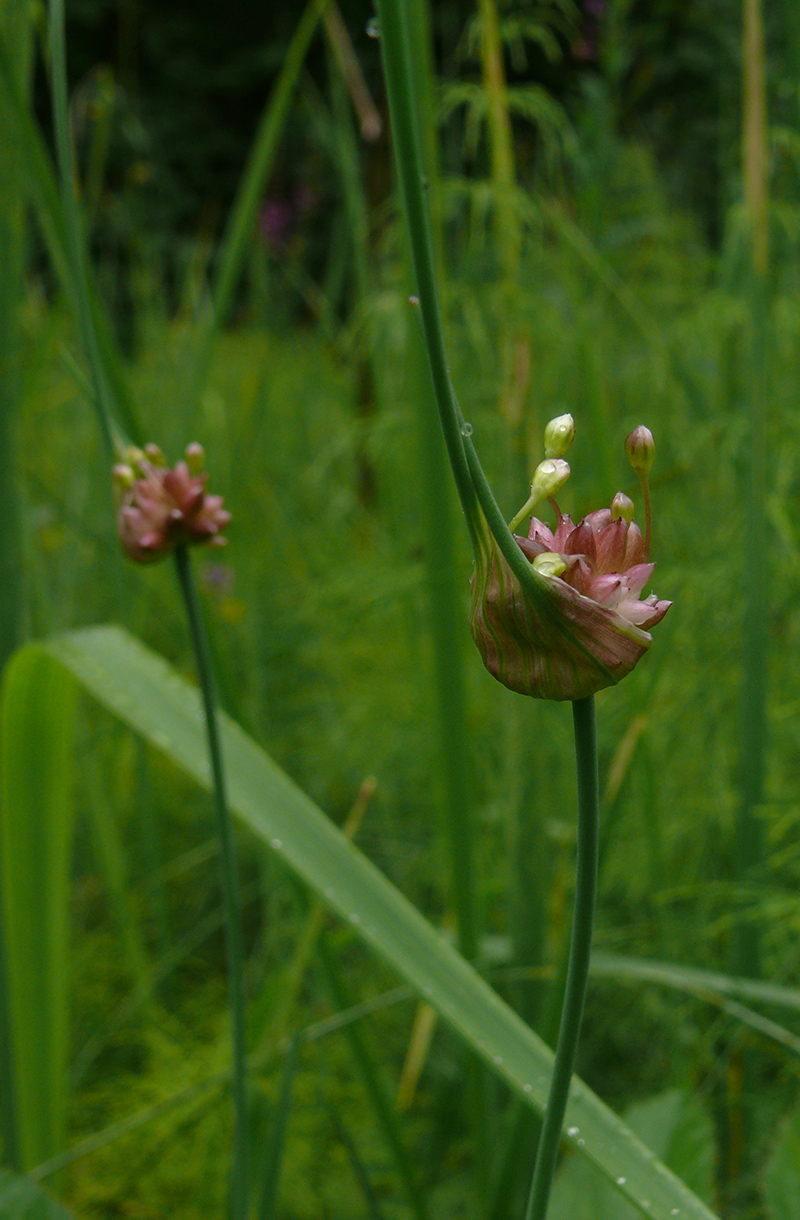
579,954
75,255
229,881
408,157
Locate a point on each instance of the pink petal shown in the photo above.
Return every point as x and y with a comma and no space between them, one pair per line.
582,542
634,549
539,532
564,528
611,542
637,577
606,589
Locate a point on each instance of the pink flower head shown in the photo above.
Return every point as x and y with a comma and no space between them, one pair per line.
588,626
160,508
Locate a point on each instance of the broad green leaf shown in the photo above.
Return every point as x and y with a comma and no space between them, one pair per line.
151,698
675,1126
782,1178
36,755
22,1199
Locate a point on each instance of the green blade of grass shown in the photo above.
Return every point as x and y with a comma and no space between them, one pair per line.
37,709
15,26
276,1142
21,1199
139,687
241,222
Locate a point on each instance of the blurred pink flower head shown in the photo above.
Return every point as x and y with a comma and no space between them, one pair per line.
160,508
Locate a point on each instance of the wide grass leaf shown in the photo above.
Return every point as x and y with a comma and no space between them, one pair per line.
37,708
675,1126
149,696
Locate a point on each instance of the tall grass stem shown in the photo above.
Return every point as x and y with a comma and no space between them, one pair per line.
73,230
229,882
579,953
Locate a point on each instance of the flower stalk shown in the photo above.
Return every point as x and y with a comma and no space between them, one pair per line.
583,715
163,511
229,882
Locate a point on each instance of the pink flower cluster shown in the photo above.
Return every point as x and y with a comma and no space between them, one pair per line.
605,561
160,508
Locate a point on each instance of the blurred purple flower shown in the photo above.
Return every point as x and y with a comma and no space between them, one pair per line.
276,222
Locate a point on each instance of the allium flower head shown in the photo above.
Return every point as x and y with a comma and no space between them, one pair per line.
160,507
588,626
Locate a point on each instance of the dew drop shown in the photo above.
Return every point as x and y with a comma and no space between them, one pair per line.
355,918
527,1088
581,1143
466,429
498,1060
621,1181
373,28
573,1131
276,843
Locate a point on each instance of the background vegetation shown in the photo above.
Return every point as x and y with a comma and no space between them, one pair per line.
605,268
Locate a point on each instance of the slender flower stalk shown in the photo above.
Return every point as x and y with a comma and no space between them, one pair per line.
163,511
583,715
557,615
229,881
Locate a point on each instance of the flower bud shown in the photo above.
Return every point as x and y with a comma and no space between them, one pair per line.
558,436
195,457
549,477
622,506
123,476
641,449
549,564
154,455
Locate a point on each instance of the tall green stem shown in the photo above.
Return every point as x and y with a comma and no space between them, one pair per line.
749,829
408,156
579,954
75,254
229,882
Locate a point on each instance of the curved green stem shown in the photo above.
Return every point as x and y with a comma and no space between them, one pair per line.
229,882
579,953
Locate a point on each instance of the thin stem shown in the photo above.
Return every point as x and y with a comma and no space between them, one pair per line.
648,514
74,241
579,953
229,881
408,158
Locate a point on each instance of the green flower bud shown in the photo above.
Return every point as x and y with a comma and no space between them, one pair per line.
123,475
558,436
549,564
622,506
641,449
154,455
549,477
195,457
